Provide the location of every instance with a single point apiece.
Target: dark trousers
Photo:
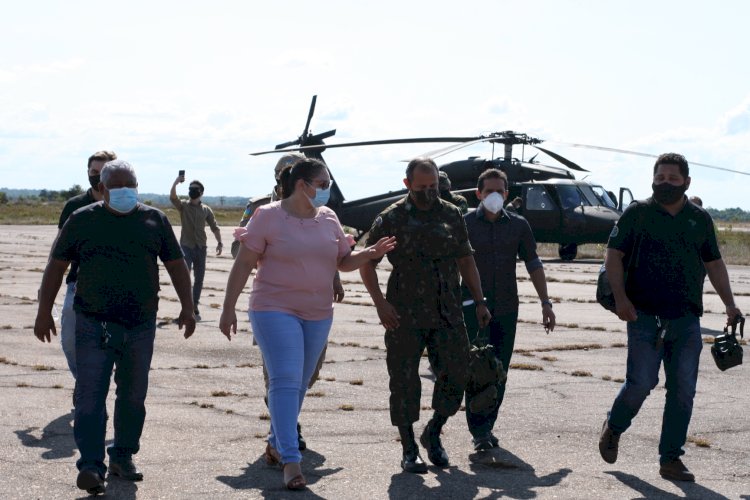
(448, 351)
(501, 333)
(130, 350)
(196, 258)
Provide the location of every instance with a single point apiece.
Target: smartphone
(182, 173)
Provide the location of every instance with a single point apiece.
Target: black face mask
(426, 197)
(94, 180)
(194, 193)
(667, 194)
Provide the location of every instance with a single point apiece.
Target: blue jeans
(130, 351)
(681, 354)
(291, 348)
(196, 258)
(502, 336)
(68, 328)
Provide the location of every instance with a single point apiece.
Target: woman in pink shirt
(297, 244)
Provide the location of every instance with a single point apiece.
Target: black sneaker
(676, 471)
(302, 443)
(609, 442)
(412, 462)
(197, 315)
(435, 451)
(91, 481)
(486, 442)
(125, 468)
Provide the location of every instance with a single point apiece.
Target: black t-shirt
(71, 206)
(666, 275)
(118, 277)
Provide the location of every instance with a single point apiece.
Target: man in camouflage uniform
(445, 193)
(422, 307)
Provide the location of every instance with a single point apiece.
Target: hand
(732, 313)
(483, 315)
(388, 315)
(338, 289)
(179, 179)
(43, 325)
(186, 319)
(219, 248)
(548, 318)
(625, 310)
(382, 247)
(228, 323)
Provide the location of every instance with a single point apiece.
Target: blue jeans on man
(68, 328)
(501, 334)
(680, 353)
(195, 257)
(130, 351)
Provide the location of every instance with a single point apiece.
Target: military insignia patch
(615, 232)
(378, 222)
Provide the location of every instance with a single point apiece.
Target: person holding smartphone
(497, 236)
(194, 215)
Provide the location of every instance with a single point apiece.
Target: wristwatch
(547, 302)
(482, 302)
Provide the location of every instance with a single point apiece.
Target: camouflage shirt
(457, 200)
(424, 284)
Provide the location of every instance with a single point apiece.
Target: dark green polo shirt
(666, 276)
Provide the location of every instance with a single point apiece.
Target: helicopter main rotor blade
(561, 159)
(309, 116)
(437, 153)
(413, 140)
(648, 155)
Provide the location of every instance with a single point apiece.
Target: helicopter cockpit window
(570, 197)
(537, 198)
(604, 197)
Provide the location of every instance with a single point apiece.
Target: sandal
(271, 456)
(297, 482)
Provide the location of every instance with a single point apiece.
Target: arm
(219, 244)
(51, 281)
(616, 276)
(468, 269)
(386, 312)
(244, 263)
(338, 288)
(540, 284)
(173, 193)
(178, 273)
(717, 273)
(355, 260)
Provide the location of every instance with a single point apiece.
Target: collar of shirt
(481, 215)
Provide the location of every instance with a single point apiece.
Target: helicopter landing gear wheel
(568, 252)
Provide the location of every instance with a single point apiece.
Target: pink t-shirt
(298, 260)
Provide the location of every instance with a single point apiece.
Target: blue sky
(197, 86)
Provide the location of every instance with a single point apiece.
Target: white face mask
(493, 202)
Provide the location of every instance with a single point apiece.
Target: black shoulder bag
(604, 295)
(727, 351)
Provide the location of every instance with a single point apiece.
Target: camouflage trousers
(448, 352)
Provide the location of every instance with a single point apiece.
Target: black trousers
(502, 336)
(448, 352)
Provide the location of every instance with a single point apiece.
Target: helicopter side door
(541, 211)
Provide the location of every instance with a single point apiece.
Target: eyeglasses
(322, 184)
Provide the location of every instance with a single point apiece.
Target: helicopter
(559, 208)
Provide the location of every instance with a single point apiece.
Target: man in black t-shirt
(116, 243)
(665, 244)
(68, 317)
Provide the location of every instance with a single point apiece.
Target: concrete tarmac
(206, 422)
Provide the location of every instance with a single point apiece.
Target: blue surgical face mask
(321, 196)
(123, 200)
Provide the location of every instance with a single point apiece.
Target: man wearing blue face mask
(497, 237)
(116, 243)
(194, 215)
